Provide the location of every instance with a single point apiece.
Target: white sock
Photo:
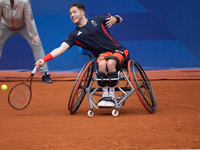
(105, 91)
(112, 91)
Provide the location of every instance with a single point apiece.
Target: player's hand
(36, 39)
(111, 21)
(39, 63)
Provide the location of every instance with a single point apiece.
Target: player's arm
(113, 20)
(55, 53)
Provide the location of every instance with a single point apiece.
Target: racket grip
(34, 70)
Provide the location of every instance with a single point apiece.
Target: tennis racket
(20, 95)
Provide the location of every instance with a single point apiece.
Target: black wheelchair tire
(142, 86)
(79, 89)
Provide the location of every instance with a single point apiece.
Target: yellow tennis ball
(4, 87)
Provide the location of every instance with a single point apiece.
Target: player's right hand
(39, 63)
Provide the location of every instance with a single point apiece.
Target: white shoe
(102, 103)
(112, 102)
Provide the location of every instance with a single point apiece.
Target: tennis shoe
(111, 103)
(46, 78)
(101, 103)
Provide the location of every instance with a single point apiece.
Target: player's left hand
(36, 39)
(111, 20)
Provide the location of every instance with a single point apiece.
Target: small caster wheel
(115, 112)
(90, 113)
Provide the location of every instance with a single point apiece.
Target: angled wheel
(80, 85)
(90, 113)
(142, 86)
(115, 112)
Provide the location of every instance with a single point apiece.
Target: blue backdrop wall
(160, 34)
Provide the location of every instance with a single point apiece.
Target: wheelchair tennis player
(92, 34)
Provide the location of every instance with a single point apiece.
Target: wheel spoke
(79, 90)
(143, 89)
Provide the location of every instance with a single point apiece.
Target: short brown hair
(78, 5)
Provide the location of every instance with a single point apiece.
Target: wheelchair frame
(136, 81)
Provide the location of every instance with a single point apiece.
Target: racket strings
(20, 96)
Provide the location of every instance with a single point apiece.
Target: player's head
(78, 5)
(77, 12)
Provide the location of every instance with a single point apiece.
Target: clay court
(47, 124)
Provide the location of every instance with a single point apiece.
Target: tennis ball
(4, 87)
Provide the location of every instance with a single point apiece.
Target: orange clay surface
(46, 123)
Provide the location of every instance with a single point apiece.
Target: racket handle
(34, 70)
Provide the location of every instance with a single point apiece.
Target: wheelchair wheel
(142, 86)
(80, 85)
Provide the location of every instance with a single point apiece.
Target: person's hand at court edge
(36, 39)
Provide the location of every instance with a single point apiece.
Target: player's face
(75, 15)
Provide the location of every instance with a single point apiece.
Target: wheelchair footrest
(116, 89)
(105, 99)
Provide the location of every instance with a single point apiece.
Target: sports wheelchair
(134, 80)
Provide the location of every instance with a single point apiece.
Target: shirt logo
(79, 33)
(94, 23)
(18, 7)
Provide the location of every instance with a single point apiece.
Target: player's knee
(102, 65)
(111, 63)
(110, 75)
(101, 75)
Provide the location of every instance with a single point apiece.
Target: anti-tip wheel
(90, 113)
(115, 112)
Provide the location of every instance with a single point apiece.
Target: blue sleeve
(103, 19)
(69, 40)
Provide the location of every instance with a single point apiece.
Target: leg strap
(101, 75)
(110, 75)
